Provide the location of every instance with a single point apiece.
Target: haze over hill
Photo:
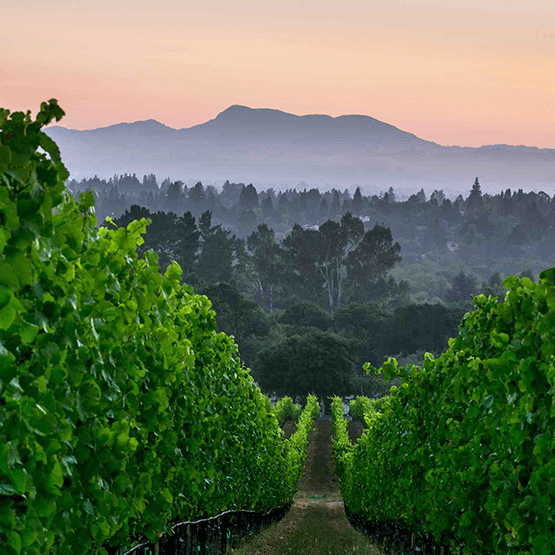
(276, 148)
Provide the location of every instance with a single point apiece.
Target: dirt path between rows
(316, 523)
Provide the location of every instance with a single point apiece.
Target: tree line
(256, 277)
(306, 311)
(480, 234)
(331, 265)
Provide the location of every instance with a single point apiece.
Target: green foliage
(307, 314)
(463, 288)
(362, 320)
(285, 408)
(510, 232)
(464, 449)
(265, 265)
(298, 443)
(172, 237)
(121, 408)
(374, 256)
(362, 406)
(363, 325)
(338, 254)
(237, 316)
(216, 258)
(341, 441)
(317, 362)
(417, 325)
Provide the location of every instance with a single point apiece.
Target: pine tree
(356, 204)
(474, 201)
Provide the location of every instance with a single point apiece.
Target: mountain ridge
(236, 113)
(265, 145)
(240, 110)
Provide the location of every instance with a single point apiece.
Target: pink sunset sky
(455, 72)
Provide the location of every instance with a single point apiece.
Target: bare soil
(289, 428)
(355, 428)
(316, 523)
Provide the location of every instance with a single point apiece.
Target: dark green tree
(173, 194)
(267, 206)
(362, 325)
(320, 256)
(463, 288)
(265, 264)
(248, 198)
(197, 196)
(317, 362)
(172, 237)
(187, 243)
(475, 200)
(307, 314)
(247, 221)
(373, 258)
(237, 316)
(420, 327)
(216, 258)
(494, 286)
(356, 205)
(230, 193)
(388, 292)
(335, 209)
(302, 276)
(324, 211)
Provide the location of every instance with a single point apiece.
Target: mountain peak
(272, 146)
(236, 109)
(239, 111)
(142, 125)
(147, 124)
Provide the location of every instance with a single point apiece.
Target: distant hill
(272, 147)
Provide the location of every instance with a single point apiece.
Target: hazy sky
(456, 72)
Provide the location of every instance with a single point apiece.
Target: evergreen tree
(149, 183)
(324, 211)
(230, 193)
(173, 195)
(187, 243)
(197, 195)
(439, 196)
(313, 198)
(474, 201)
(421, 196)
(356, 204)
(248, 198)
(267, 206)
(335, 205)
(391, 195)
(216, 258)
(463, 287)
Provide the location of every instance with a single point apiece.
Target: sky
(455, 72)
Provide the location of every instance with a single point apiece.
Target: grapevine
(464, 449)
(121, 408)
